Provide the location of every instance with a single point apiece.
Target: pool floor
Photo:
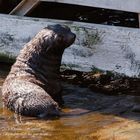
(87, 116)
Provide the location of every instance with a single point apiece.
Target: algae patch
(7, 58)
(88, 37)
(69, 66)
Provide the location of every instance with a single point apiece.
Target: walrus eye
(59, 38)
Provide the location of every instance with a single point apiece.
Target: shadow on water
(86, 116)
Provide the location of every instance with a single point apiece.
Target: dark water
(76, 13)
(87, 116)
(7, 5)
(85, 14)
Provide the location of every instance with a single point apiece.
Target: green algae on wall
(7, 58)
(91, 37)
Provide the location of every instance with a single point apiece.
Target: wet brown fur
(32, 87)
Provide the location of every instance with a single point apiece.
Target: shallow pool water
(87, 116)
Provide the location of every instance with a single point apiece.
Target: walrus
(32, 87)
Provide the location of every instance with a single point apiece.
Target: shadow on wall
(7, 5)
(85, 14)
(77, 13)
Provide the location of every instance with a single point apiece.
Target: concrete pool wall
(108, 48)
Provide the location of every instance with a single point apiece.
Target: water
(85, 14)
(76, 13)
(87, 116)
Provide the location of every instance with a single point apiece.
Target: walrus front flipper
(28, 99)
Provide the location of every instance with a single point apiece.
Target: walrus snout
(70, 39)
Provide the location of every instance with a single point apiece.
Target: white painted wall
(105, 47)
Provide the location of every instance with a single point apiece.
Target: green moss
(92, 38)
(69, 66)
(110, 73)
(7, 58)
(96, 70)
(77, 29)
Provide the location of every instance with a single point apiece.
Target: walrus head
(48, 44)
(58, 37)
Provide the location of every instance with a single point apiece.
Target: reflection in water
(86, 116)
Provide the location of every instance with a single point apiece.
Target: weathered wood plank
(104, 47)
(124, 5)
(24, 7)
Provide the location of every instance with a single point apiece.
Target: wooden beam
(24, 7)
(124, 5)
